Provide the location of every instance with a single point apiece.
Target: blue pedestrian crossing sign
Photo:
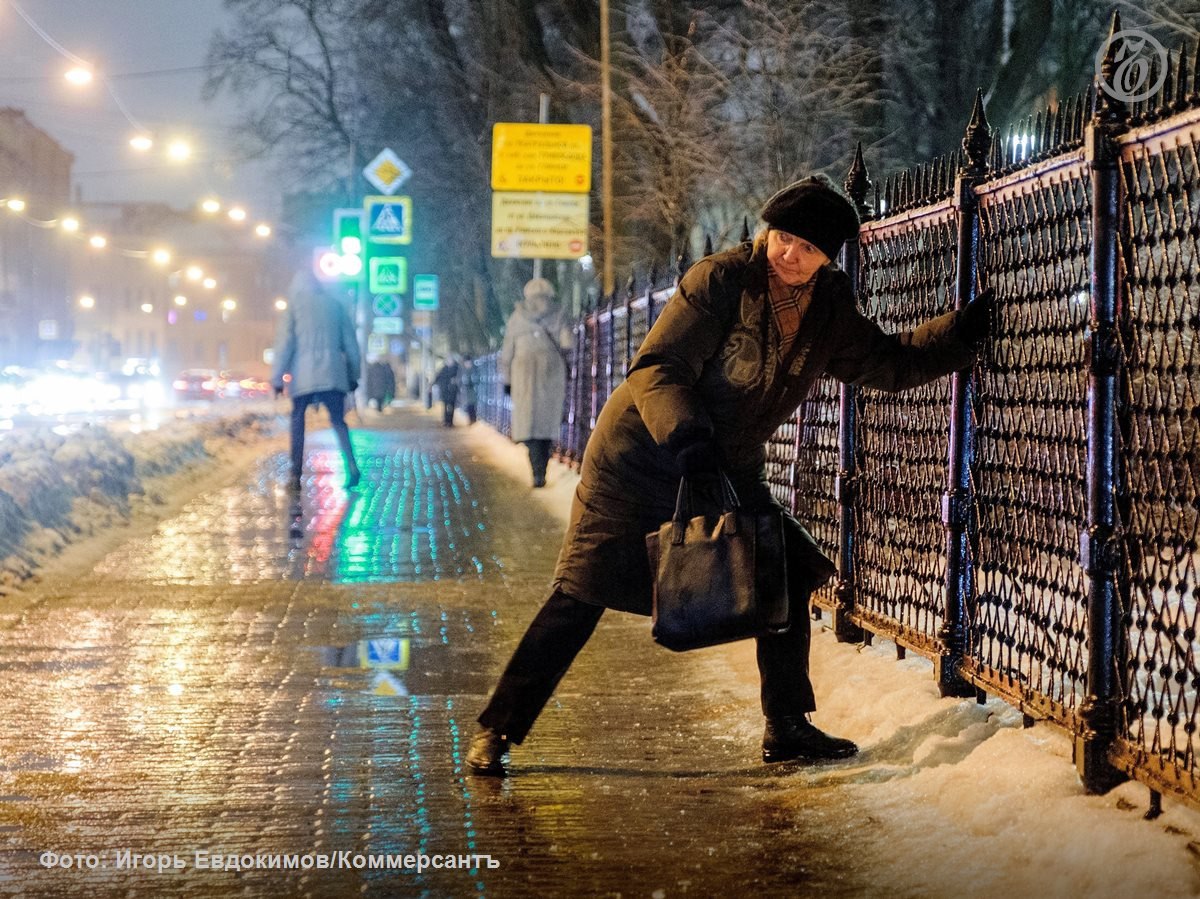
(389, 219)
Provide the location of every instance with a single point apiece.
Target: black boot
(486, 753)
(795, 737)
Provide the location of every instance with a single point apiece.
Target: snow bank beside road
(57, 489)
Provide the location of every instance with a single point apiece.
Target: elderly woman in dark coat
(734, 352)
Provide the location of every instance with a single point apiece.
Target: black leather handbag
(718, 578)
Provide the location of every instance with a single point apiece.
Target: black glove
(974, 323)
(278, 392)
(698, 460)
(508, 389)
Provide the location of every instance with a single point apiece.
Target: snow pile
(56, 489)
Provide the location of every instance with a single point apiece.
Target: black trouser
(335, 402)
(564, 624)
(539, 457)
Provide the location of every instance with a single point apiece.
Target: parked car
(196, 384)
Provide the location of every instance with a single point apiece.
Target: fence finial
(1181, 97)
(1162, 103)
(977, 139)
(745, 229)
(708, 247)
(857, 183)
(683, 261)
(1108, 108)
(1194, 97)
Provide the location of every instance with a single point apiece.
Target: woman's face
(793, 258)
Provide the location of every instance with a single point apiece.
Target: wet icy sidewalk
(284, 681)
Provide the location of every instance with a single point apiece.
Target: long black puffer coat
(710, 369)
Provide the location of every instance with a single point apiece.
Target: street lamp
(98, 241)
(209, 283)
(211, 205)
(87, 302)
(281, 304)
(141, 142)
(161, 256)
(180, 300)
(262, 229)
(229, 304)
(70, 223)
(15, 204)
(79, 76)
(238, 214)
(178, 150)
(147, 308)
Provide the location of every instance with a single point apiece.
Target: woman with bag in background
(732, 356)
(533, 369)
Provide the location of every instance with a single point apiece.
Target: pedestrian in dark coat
(446, 381)
(316, 346)
(733, 354)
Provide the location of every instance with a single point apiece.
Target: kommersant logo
(1138, 57)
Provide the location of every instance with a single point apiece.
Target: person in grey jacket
(317, 347)
(533, 369)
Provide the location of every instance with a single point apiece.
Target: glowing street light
(281, 304)
(15, 204)
(262, 230)
(229, 304)
(99, 241)
(70, 223)
(87, 302)
(238, 214)
(211, 205)
(147, 307)
(161, 256)
(180, 300)
(179, 150)
(194, 273)
(79, 76)
(209, 283)
(141, 143)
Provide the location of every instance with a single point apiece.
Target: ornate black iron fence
(1031, 526)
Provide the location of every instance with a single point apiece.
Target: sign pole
(606, 148)
(543, 119)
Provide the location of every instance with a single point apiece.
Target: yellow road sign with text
(541, 157)
(539, 226)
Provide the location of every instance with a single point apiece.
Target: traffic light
(347, 245)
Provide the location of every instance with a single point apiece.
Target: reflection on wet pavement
(414, 517)
(187, 701)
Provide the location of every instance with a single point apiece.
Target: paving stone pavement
(264, 677)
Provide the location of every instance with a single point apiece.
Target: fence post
(958, 500)
(1100, 544)
(857, 185)
(630, 293)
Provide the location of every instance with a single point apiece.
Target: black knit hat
(815, 210)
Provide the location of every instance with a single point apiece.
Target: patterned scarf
(788, 305)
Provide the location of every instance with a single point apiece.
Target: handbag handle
(683, 505)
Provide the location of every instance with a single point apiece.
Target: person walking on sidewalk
(446, 382)
(734, 352)
(533, 370)
(317, 347)
(468, 382)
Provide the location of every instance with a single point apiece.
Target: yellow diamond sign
(387, 172)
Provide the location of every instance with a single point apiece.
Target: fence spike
(1194, 97)
(1162, 103)
(1181, 97)
(1056, 132)
(935, 178)
(857, 182)
(708, 247)
(745, 229)
(1048, 132)
(877, 212)
(1037, 142)
(653, 277)
(977, 138)
(1068, 121)
(1106, 107)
